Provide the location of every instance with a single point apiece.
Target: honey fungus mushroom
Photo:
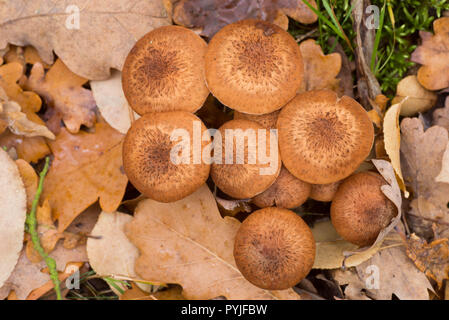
(323, 138)
(253, 66)
(164, 71)
(150, 156)
(274, 249)
(243, 173)
(286, 192)
(360, 210)
(324, 192)
(267, 120)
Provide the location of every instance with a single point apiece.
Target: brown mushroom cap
(286, 192)
(324, 192)
(274, 249)
(243, 181)
(267, 120)
(253, 66)
(360, 210)
(147, 160)
(322, 138)
(164, 71)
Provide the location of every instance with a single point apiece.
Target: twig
(31, 223)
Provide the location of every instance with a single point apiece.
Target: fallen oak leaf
(29, 178)
(422, 154)
(431, 258)
(86, 167)
(441, 116)
(63, 91)
(85, 50)
(433, 54)
(29, 149)
(419, 98)
(320, 70)
(12, 215)
(188, 242)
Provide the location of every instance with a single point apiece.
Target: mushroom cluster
(256, 69)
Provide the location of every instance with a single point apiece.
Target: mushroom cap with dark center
(360, 210)
(286, 192)
(274, 249)
(243, 178)
(147, 157)
(322, 138)
(164, 71)
(253, 66)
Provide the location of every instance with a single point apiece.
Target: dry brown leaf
(320, 70)
(187, 242)
(433, 54)
(422, 155)
(392, 141)
(12, 215)
(86, 167)
(443, 176)
(355, 287)
(85, 50)
(397, 274)
(419, 99)
(112, 103)
(63, 91)
(28, 149)
(109, 250)
(135, 293)
(441, 116)
(211, 15)
(431, 258)
(18, 122)
(29, 178)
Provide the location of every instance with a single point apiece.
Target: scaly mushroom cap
(148, 160)
(322, 138)
(164, 71)
(274, 249)
(253, 66)
(267, 120)
(324, 192)
(243, 178)
(286, 192)
(360, 210)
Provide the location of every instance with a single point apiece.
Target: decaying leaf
(443, 176)
(390, 272)
(12, 215)
(135, 293)
(79, 39)
(441, 116)
(331, 248)
(18, 122)
(109, 250)
(187, 242)
(433, 54)
(29, 179)
(422, 155)
(431, 258)
(392, 141)
(63, 91)
(320, 70)
(28, 149)
(112, 103)
(419, 98)
(86, 167)
(211, 15)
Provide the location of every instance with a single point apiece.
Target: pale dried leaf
(419, 98)
(49, 26)
(12, 215)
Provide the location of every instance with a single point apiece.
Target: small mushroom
(267, 120)
(149, 156)
(324, 192)
(360, 210)
(274, 249)
(242, 174)
(164, 68)
(253, 66)
(323, 138)
(286, 192)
